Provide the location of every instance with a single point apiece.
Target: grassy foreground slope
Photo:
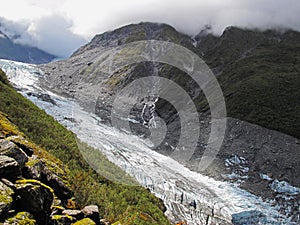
(127, 204)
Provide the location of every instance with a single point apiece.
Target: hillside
(258, 72)
(116, 202)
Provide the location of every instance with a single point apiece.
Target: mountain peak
(136, 32)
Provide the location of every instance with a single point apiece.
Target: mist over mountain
(22, 53)
(60, 27)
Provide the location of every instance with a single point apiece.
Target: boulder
(6, 199)
(34, 197)
(77, 214)
(23, 144)
(9, 168)
(38, 169)
(86, 221)
(61, 190)
(9, 149)
(105, 222)
(92, 212)
(33, 168)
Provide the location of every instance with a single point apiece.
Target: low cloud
(69, 24)
(51, 33)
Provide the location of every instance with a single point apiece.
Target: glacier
(187, 195)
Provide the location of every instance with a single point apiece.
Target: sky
(61, 26)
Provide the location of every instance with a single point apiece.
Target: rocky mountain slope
(17, 52)
(33, 186)
(39, 188)
(259, 76)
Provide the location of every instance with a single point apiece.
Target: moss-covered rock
(5, 198)
(77, 214)
(92, 212)
(62, 220)
(9, 149)
(34, 197)
(21, 218)
(86, 221)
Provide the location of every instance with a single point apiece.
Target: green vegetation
(265, 90)
(260, 78)
(116, 202)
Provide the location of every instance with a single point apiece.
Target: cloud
(51, 33)
(61, 26)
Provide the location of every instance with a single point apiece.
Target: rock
(61, 190)
(104, 222)
(92, 212)
(34, 197)
(56, 209)
(22, 143)
(5, 198)
(77, 214)
(62, 220)
(9, 168)
(9, 149)
(86, 221)
(38, 169)
(33, 168)
(21, 218)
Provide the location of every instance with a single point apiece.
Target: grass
(116, 202)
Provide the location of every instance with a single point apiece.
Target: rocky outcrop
(5, 198)
(9, 168)
(34, 197)
(11, 150)
(92, 212)
(33, 190)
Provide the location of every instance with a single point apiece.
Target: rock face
(11, 150)
(9, 168)
(34, 198)
(31, 191)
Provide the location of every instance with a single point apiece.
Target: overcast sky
(61, 26)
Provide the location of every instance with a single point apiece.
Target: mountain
(42, 170)
(188, 196)
(22, 53)
(258, 72)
